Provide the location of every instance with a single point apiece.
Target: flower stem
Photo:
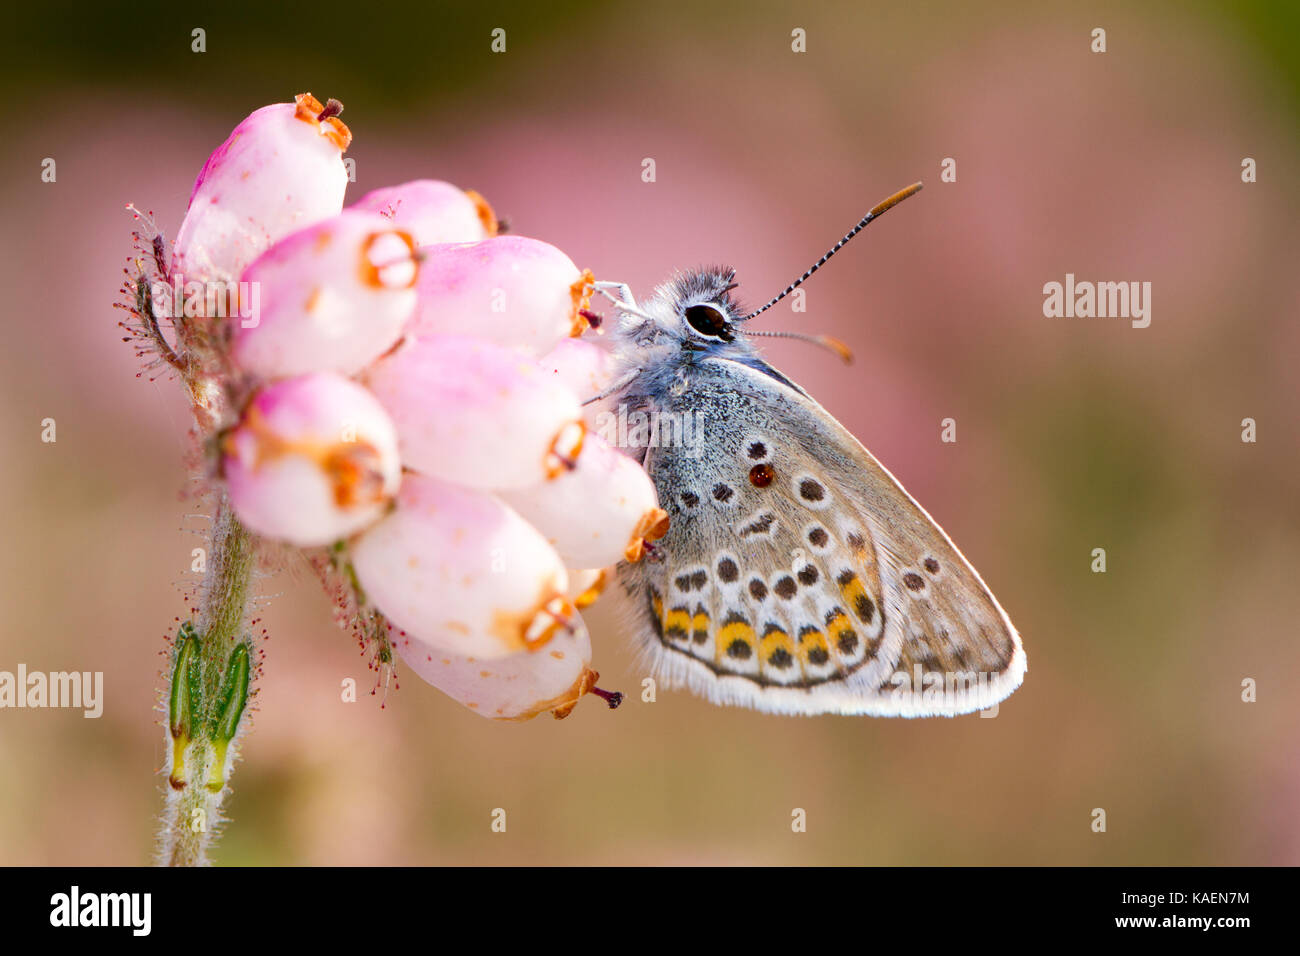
(202, 730)
(225, 598)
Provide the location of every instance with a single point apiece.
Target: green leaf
(185, 698)
(233, 696)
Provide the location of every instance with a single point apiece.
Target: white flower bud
(314, 459)
(586, 586)
(587, 370)
(476, 413)
(597, 514)
(516, 687)
(510, 290)
(458, 570)
(281, 169)
(332, 297)
(433, 211)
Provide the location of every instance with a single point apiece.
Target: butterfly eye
(709, 321)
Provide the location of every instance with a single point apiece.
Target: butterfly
(797, 576)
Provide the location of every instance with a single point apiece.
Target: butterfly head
(694, 311)
(694, 315)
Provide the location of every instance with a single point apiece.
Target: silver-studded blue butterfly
(797, 576)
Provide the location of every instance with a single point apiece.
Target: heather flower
(280, 169)
(433, 211)
(510, 290)
(312, 460)
(457, 570)
(585, 369)
(398, 390)
(598, 513)
(586, 585)
(333, 297)
(469, 411)
(518, 686)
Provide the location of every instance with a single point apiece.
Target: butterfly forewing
(797, 575)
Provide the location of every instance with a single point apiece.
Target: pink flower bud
(313, 459)
(586, 370)
(516, 687)
(509, 290)
(433, 211)
(586, 586)
(456, 569)
(281, 169)
(597, 514)
(476, 413)
(333, 297)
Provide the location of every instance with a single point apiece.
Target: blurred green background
(1073, 434)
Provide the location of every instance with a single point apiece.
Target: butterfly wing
(797, 575)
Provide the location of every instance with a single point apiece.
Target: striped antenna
(877, 210)
(824, 341)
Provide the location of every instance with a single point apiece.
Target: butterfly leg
(623, 382)
(624, 301)
(624, 291)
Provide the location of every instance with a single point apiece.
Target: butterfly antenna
(824, 341)
(878, 210)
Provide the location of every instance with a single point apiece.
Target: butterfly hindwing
(797, 576)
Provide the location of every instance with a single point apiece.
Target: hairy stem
(200, 777)
(225, 597)
(187, 824)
